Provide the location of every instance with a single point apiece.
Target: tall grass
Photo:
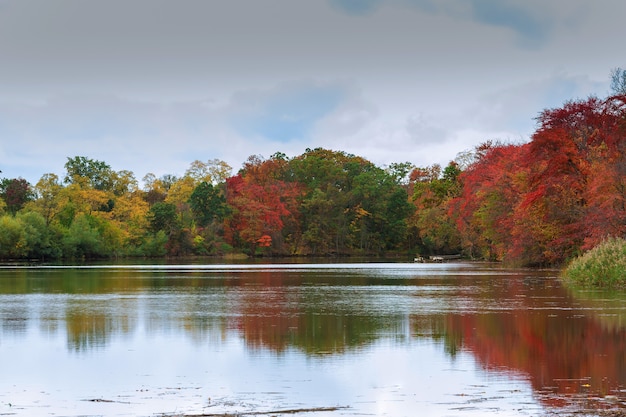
(603, 267)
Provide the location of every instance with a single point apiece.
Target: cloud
(527, 22)
(423, 130)
(151, 85)
(515, 108)
(127, 134)
(143, 47)
(532, 21)
(356, 7)
(168, 136)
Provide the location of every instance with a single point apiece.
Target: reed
(603, 266)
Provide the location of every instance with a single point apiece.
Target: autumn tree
(16, 193)
(569, 145)
(261, 203)
(213, 172)
(431, 190)
(484, 209)
(545, 201)
(156, 189)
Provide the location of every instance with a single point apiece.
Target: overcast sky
(152, 85)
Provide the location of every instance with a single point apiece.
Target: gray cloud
(422, 130)
(356, 7)
(532, 21)
(128, 134)
(169, 136)
(150, 85)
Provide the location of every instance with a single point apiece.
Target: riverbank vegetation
(542, 202)
(604, 266)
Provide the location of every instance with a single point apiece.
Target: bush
(604, 266)
(12, 241)
(25, 235)
(83, 239)
(153, 245)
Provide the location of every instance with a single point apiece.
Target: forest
(537, 203)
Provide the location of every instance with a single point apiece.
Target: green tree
(349, 203)
(37, 236)
(400, 172)
(98, 174)
(25, 235)
(12, 240)
(162, 216)
(325, 204)
(381, 208)
(208, 204)
(83, 239)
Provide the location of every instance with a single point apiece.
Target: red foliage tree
(575, 182)
(261, 203)
(545, 201)
(491, 189)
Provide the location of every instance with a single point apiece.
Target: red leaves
(491, 189)
(265, 241)
(260, 201)
(544, 201)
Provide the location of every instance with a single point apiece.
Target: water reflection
(519, 325)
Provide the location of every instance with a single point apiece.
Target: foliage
(212, 172)
(15, 193)
(602, 266)
(97, 173)
(485, 206)
(261, 204)
(538, 203)
(546, 201)
(432, 192)
(25, 236)
(207, 204)
(162, 217)
(152, 245)
(348, 204)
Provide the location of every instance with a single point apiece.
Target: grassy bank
(602, 267)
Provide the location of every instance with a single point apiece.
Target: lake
(324, 339)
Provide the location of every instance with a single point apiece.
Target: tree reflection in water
(572, 349)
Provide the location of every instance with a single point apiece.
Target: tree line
(536, 203)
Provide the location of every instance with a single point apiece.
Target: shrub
(604, 266)
(83, 239)
(153, 245)
(12, 240)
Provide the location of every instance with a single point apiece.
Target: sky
(150, 86)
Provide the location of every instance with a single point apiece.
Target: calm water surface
(368, 339)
